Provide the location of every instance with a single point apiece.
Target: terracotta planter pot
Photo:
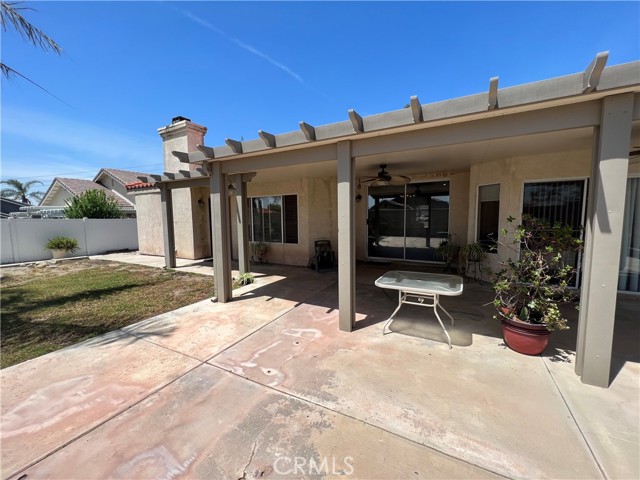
(526, 338)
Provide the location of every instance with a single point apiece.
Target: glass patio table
(422, 289)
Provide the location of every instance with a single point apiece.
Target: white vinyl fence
(23, 239)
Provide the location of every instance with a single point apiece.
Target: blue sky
(236, 68)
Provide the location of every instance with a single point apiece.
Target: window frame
(282, 218)
(477, 219)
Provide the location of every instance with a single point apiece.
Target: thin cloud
(241, 44)
(61, 146)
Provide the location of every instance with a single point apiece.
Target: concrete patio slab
(49, 401)
(608, 418)
(486, 405)
(212, 424)
(282, 382)
(204, 329)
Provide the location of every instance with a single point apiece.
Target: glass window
(488, 215)
(270, 222)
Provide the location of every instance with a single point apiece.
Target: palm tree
(10, 13)
(20, 191)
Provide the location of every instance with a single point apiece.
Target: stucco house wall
(150, 241)
(317, 210)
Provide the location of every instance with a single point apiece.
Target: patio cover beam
(416, 109)
(346, 237)
(575, 88)
(166, 201)
(539, 121)
(220, 233)
(593, 72)
(527, 123)
(609, 171)
(493, 93)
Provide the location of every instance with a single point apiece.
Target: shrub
(62, 243)
(243, 279)
(93, 204)
(533, 284)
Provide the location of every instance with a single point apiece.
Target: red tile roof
(138, 185)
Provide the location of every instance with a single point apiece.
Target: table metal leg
(400, 298)
(436, 304)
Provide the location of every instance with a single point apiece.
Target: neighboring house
(557, 149)
(9, 206)
(110, 180)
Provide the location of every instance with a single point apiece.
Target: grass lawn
(48, 307)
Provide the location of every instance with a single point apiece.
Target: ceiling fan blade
(398, 180)
(634, 153)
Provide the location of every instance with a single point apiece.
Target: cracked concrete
(267, 387)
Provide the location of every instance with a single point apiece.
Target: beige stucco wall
(317, 217)
(150, 239)
(190, 206)
(512, 173)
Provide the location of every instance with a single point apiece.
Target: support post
(220, 233)
(166, 199)
(609, 173)
(346, 237)
(243, 228)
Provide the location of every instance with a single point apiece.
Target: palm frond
(10, 13)
(7, 71)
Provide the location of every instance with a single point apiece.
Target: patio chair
(324, 258)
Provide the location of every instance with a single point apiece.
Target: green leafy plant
(243, 279)
(258, 252)
(449, 251)
(93, 204)
(473, 252)
(62, 243)
(533, 282)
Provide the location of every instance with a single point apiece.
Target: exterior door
(407, 222)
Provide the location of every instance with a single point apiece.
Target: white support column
(166, 199)
(220, 233)
(243, 228)
(609, 173)
(346, 237)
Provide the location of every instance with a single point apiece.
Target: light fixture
(358, 196)
(201, 203)
(231, 190)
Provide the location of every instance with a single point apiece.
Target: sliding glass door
(407, 222)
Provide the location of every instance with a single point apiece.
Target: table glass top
(419, 281)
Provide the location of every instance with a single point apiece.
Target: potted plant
(473, 252)
(62, 246)
(532, 284)
(449, 251)
(258, 252)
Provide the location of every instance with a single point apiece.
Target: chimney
(181, 135)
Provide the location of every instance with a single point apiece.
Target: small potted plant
(532, 284)
(474, 253)
(258, 252)
(449, 251)
(61, 247)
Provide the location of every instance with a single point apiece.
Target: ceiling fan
(634, 153)
(384, 178)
